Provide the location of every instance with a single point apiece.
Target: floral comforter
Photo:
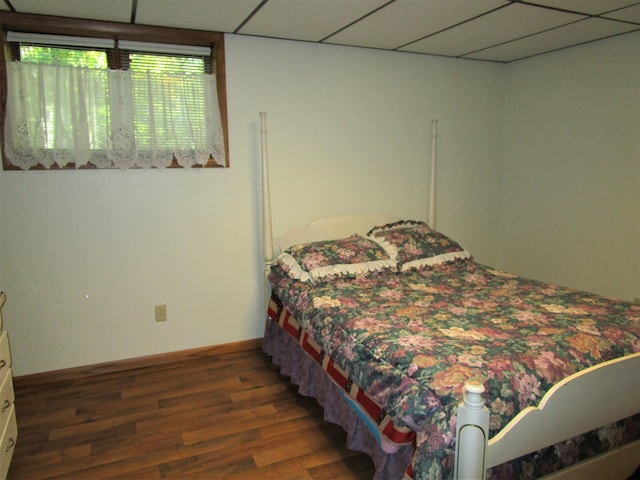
(412, 340)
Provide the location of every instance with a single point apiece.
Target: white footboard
(472, 433)
(589, 399)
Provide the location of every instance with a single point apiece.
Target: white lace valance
(110, 118)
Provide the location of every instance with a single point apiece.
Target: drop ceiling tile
(112, 10)
(591, 7)
(511, 22)
(629, 14)
(307, 20)
(407, 20)
(212, 15)
(566, 36)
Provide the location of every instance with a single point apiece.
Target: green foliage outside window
(63, 57)
(98, 59)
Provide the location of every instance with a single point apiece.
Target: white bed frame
(589, 399)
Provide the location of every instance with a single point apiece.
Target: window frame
(19, 22)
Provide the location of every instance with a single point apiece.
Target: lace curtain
(110, 118)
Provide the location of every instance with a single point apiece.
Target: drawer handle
(5, 405)
(3, 362)
(10, 445)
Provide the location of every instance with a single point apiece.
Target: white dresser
(8, 424)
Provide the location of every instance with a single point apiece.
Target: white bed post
(472, 434)
(431, 219)
(267, 236)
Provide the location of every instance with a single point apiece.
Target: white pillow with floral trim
(413, 244)
(351, 256)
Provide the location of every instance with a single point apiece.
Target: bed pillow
(355, 255)
(414, 244)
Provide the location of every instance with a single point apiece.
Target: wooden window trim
(20, 22)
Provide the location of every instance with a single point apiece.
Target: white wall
(86, 255)
(570, 204)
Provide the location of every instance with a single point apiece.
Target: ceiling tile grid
(112, 11)
(218, 15)
(404, 21)
(510, 22)
(551, 40)
(491, 30)
(307, 20)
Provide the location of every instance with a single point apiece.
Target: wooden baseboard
(74, 373)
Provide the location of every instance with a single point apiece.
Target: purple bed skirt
(312, 381)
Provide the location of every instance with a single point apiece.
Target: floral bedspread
(412, 340)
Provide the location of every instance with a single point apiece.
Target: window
(91, 102)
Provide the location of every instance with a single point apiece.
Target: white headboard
(330, 227)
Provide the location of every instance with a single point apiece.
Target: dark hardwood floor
(230, 416)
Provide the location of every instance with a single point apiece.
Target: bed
(438, 366)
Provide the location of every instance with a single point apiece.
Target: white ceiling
(495, 30)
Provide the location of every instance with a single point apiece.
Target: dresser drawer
(8, 442)
(5, 354)
(7, 398)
